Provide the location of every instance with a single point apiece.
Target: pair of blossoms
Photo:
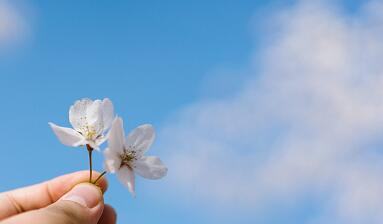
(94, 122)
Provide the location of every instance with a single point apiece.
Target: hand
(65, 199)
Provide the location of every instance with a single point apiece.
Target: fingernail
(87, 195)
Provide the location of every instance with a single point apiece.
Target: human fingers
(43, 194)
(83, 204)
(109, 216)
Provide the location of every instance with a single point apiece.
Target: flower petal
(126, 177)
(112, 160)
(68, 136)
(94, 117)
(101, 139)
(140, 139)
(93, 144)
(116, 136)
(150, 167)
(107, 113)
(77, 113)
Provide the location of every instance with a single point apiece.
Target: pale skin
(65, 199)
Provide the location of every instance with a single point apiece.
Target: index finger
(43, 194)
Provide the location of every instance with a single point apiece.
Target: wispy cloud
(13, 25)
(307, 123)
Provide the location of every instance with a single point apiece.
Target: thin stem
(99, 177)
(90, 150)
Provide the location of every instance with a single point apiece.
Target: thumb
(82, 205)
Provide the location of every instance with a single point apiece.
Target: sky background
(266, 111)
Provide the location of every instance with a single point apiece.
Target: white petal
(112, 160)
(150, 167)
(94, 117)
(116, 136)
(77, 114)
(93, 145)
(141, 138)
(101, 139)
(68, 136)
(107, 113)
(126, 176)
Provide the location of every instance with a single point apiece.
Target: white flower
(90, 120)
(125, 156)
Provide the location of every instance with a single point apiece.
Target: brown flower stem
(99, 177)
(90, 150)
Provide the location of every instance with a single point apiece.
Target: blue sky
(160, 62)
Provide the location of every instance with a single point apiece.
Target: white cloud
(308, 122)
(13, 26)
